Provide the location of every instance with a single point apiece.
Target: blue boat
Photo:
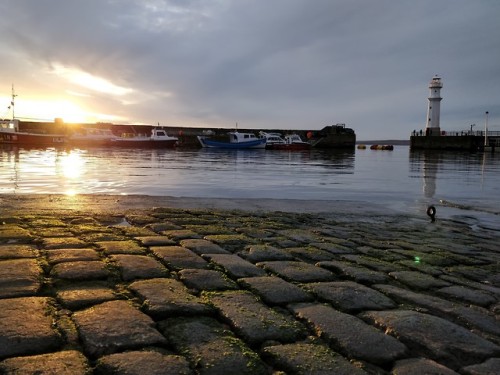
(237, 140)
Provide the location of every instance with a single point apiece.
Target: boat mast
(486, 130)
(12, 101)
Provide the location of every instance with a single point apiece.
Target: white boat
(236, 140)
(290, 142)
(157, 139)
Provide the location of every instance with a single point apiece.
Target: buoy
(431, 212)
(382, 147)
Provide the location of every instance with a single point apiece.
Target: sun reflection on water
(72, 165)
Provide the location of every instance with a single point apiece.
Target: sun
(48, 110)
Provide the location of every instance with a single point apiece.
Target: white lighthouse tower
(432, 126)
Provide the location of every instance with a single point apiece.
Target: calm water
(400, 179)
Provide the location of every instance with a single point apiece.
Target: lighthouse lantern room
(432, 126)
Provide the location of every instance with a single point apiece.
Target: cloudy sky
(289, 64)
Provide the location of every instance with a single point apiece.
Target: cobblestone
(115, 326)
(212, 348)
(350, 296)
(253, 320)
(19, 277)
(138, 267)
(178, 257)
(188, 291)
(439, 339)
(345, 333)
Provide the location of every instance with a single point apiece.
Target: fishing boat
(157, 139)
(236, 140)
(11, 134)
(92, 137)
(333, 137)
(290, 142)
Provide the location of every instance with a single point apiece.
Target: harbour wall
(328, 137)
(444, 142)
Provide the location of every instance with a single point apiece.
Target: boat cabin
(293, 138)
(9, 126)
(236, 137)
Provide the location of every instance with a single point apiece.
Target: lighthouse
(432, 126)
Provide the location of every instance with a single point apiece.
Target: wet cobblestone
(219, 292)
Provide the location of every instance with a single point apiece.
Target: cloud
(279, 63)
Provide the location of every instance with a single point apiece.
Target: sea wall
(444, 142)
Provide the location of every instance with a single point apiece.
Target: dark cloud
(279, 63)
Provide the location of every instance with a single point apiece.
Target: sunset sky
(289, 64)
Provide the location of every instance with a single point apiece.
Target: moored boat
(236, 140)
(10, 134)
(92, 137)
(290, 142)
(333, 136)
(157, 139)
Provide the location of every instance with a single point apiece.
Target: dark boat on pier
(333, 136)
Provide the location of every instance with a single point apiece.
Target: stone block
(201, 246)
(115, 326)
(68, 362)
(419, 366)
(359, 274)
(178, 257)
(80, 271)
(488, 367)
(434, 337)
(81, 295)
(351, 336)
(211, 348)
(468, 295)
(17, 251)
(235, 266)
(167, 297)
(12, 233)
(26, 327)
(143, 362)
(19, 277)
(351, 297)
(297, 271)
(180, 234)
(156, 240)
(121, 247)
(469, 316)
(139, 267)
(304, 359)
(71, 255)
(418, 280)
(262, 253)
(253, 320)
(206, 280)
(275, 291)
(63, 243)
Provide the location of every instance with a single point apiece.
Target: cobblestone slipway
(203, 291)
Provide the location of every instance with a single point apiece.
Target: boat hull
(209, 143)
(19, 138)
(146, 143)
(289, 146)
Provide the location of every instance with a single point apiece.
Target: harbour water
(466, 184)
